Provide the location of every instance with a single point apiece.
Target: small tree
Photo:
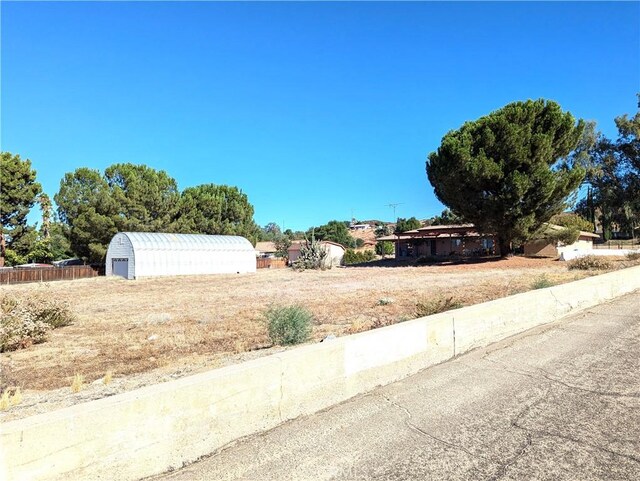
(384, 248)
(508, 172)
(282, 244)
(403, 225)
(336, 231)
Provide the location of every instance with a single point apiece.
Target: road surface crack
(504, 466)
(549, 377)
(422, 432)
(565, 437)
(543, 374)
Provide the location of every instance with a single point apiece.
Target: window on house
(456, 243)
(487, 243)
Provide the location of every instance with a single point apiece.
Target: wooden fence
(47, 274)
(266, 263)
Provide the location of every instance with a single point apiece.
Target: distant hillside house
(547, 248)
(335, 252)
(266, 250)
(360, 227)
(443, 240)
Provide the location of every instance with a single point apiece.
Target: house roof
(435, 231)
(445, 227)
(266, 247)
(583, 233)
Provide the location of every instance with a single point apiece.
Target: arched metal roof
(191, 242)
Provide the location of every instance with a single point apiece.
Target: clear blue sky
(314, 110)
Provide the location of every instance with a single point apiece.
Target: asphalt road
(559, 402)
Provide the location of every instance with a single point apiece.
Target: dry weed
(77, 384)
(10, 398)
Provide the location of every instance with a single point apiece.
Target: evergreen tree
(127, 197)
(216, 209)
(18, 193)
(509, 172)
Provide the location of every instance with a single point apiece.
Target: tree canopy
(509, 172)
(446, 217)
(127, 197)
(336, 231)
(216, 209)
(18, 193)
(613, 177)
(145, 197)
(403, 225)
(137, 198)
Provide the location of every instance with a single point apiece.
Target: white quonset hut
(143, 254)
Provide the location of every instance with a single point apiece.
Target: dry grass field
(179, 325)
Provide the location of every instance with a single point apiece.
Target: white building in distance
(144, 254)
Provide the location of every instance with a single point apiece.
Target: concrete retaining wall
(157, 428)
(569, 255)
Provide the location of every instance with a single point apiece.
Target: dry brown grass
(168, 324)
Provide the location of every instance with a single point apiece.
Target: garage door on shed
(120, 267)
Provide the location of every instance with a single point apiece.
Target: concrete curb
(162, 427)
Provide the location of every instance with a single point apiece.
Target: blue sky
(315, 110)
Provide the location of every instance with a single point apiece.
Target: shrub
(26, 321)
(435, 305)
(353, 257)
(541, 282)
(586, 263)
(633, 256)
(288, 324)
(384, 248)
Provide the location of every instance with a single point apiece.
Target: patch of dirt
(152, 330)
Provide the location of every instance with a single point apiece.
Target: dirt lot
(152, 330)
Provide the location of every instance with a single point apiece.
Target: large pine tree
(508, 172)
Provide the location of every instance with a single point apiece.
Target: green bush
(26, 321)
(541, 282)
(587, 263)
(353, 257)
(384, 248)
(435, 305)
(288, 324)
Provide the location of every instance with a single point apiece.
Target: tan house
(265, 249)
(335, 252)
(443, 240)
(547, 248)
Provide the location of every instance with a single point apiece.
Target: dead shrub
(589, 263)
(26, 321)
(436, 305)
(633, 256)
